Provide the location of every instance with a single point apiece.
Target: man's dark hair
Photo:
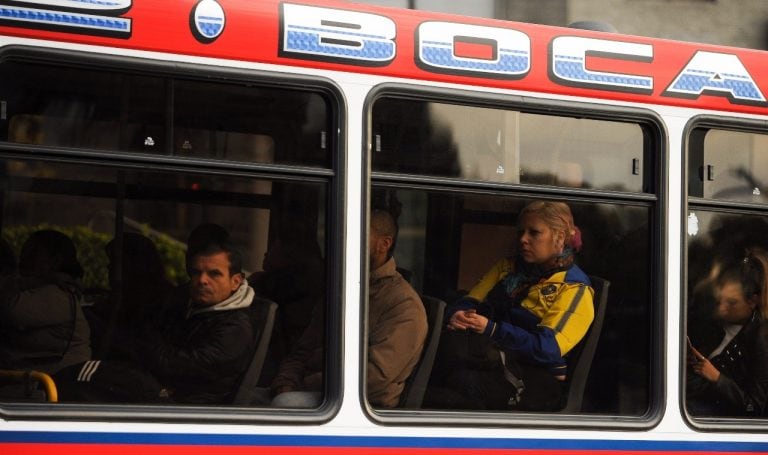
(233, 254)
(385, 224)
(60, 246)
(203, 235)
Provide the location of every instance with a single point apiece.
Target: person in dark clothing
(294, 278)
(730, 377)
(42, 325)
(198, 356)
(397, 328)
(202, 357)
(140, 295)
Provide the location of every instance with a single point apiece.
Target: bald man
(397, 325)
(397, 322)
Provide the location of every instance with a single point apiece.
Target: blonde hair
(558, 217)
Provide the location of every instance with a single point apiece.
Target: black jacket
(203, 357)
(742, 389)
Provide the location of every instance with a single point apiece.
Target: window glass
(83, 107)
(729, 165)
(94, 108)
(727, 274)
(725, 322)
(240, 123)
(141, 306)
(186, 287)
(448, 241)
(548, 305)
(474, 143)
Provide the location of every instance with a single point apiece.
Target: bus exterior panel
(431, 47)
(292, 119)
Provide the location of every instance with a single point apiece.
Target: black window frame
(655, 167)
(693, 137)
(332, 177)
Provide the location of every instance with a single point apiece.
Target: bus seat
(580, 357)
(263, 312)
(405, 273)
(24, 385)
(416, 385)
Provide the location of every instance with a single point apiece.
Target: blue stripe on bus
(51, 437)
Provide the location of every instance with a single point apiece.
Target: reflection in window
(147, 238)
(99, 109)
(727, 273)
(132, 232)
(448, 240)
(728, 165)
(249, 124)
(495, 145)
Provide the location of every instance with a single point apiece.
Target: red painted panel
(101, 449)
(466, 49)
(252, 33)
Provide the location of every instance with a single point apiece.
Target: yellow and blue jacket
(549, 321)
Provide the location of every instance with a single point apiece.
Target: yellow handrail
(48, 384)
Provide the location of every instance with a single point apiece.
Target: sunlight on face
(538, 242)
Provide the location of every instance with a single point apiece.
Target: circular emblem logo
(207, 21)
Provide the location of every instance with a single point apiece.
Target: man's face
(211, 281)
(378, 247)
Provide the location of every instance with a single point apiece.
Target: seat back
(27, 385)
(580, 357)
(263, 316)
(416, 385)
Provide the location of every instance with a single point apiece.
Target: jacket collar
(241, 298)
(389, 268)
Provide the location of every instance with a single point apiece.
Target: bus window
(98, 109)
(726, 302)
(249, 124)
(477, 143)
(453, 231)
(278, 227)
(83, 107)
(176, 271)
(728, 165)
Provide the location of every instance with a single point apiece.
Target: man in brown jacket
(397, 326)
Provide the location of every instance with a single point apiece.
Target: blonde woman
(532, 308)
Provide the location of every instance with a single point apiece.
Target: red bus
(125, 125)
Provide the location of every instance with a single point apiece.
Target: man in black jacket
(204, 354)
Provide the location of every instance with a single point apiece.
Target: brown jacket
(397, 325)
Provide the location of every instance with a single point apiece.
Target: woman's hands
(702, 366)
(468, 320)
